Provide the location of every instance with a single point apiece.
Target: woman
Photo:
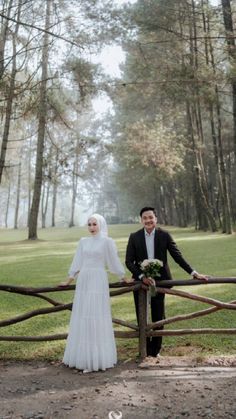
(90, 344)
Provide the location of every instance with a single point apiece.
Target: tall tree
(10, 92)
(3, 35)
(42, 118)
(230, 37)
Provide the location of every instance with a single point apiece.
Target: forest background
(169, 137)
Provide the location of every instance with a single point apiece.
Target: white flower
(158, 261)
(151, 267)
(145, 263)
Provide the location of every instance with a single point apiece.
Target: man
(153, 243)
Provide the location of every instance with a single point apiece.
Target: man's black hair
(144, 209)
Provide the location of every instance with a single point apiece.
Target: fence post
(142, 310)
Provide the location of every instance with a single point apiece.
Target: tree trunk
(8, 203)
(33, 219)
(54, 190)
(3, 37)
(18, 196)
(226, 205)
(44, 202)
(163, 205)
(217, 138)
(10, 97)
(230, 37)
(195, 129)
(74, 185)
(74, 191)
(54, 203)
(29, 181)
(204, 212)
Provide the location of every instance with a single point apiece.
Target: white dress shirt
(149, 239)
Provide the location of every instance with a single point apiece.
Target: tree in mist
(12, 82)
(174, 72)
(42, 119)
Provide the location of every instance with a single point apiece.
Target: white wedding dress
(91, 344)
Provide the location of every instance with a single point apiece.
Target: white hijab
(103, 230)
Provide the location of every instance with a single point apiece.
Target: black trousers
(157, 313)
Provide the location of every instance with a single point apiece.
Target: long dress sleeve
(112, 259)
(77, 260)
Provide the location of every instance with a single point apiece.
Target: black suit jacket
(163, 243)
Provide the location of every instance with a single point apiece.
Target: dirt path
(173, 388)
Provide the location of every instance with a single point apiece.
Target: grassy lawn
(46, 262)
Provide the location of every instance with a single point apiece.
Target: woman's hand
(127, 280)
(66, 283)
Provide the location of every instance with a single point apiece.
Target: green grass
(45, 263)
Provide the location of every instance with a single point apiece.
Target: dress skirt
(90, 343)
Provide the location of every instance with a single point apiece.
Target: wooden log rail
(142, 330)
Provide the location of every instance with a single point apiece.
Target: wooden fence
(143, 329)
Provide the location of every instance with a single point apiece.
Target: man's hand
(148, 281)
(196, 275)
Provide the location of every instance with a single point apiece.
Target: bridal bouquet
(151, 269)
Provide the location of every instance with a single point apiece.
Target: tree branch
(28, 25)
